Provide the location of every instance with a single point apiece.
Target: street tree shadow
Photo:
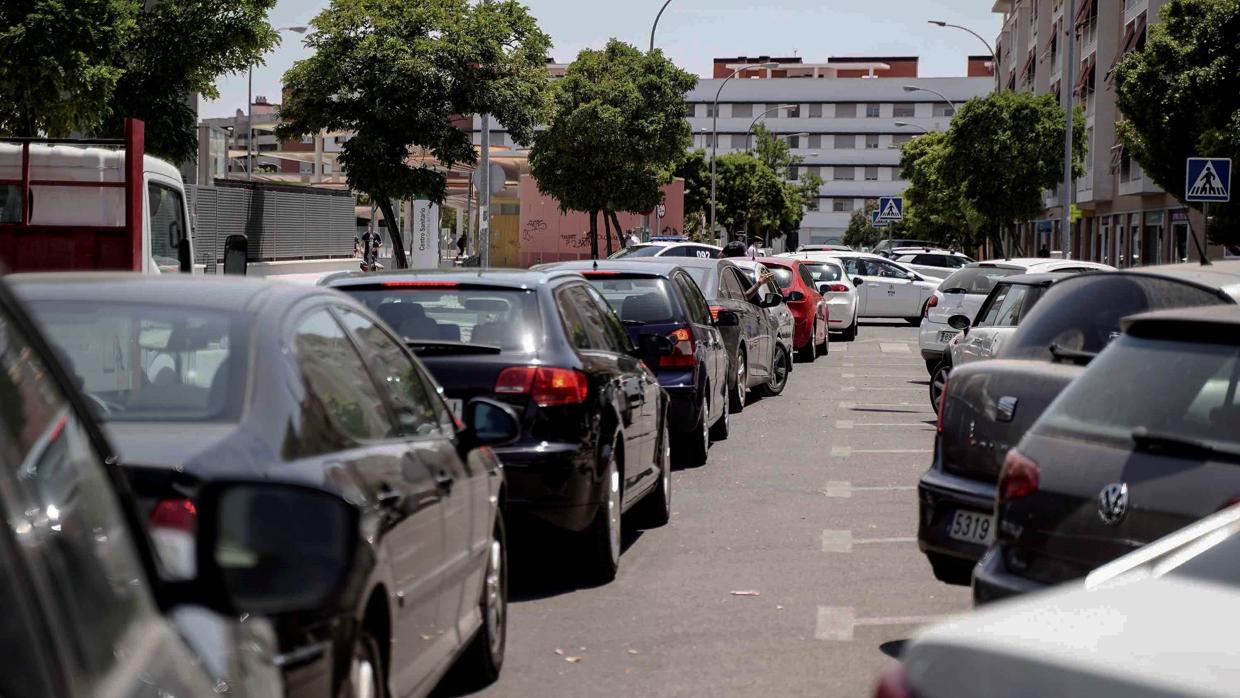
(893, 648)
(542, 563)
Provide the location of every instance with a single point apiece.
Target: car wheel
(365, 670)
(850, 334)
(824, 349)
(480, 664)
(693, 447)
(938, 382)
(951, 570)
(915, 321)
(809, 352)
(723, 426)
(779, 373)
(656, 509)
(602, 538)
(738, 396)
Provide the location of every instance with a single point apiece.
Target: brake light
(932, 303)
(548, 387)
(837, 288)
(893, 683)
(593, 274)
(420, 284)
(714, 312)
(175, 514)
(174, 523)
(684, 350)
(1019, 477)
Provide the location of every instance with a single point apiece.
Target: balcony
(1132, 8)
(862, 189)
(1132, 180)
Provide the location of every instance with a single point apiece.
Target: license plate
(946, 336)
(456, 406)
(971, 527)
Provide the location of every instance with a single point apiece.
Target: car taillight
(893, 683)
(714, 312)
(684, 351)
(175, 514)
(1019, 477)
(174, 523)
(932, 303)
(548, 387)
(837, 288)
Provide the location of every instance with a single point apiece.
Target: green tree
(695, 170)
(935, 210)
(1004, 150)
(786, 214)
(60, 61)
(749, 197)
(394, 73)
(1180, 97)
(617, 133)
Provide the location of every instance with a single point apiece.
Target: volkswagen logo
(1113, 503)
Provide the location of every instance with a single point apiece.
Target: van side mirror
(236, 254)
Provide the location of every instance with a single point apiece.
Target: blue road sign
(1208, 180)
(874, 220)
(890, 209)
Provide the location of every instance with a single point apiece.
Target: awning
(1117, 156)
(1028, 63)
(1087, 71)
(1132, 35)
(1083, 12)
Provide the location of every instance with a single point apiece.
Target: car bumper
(555, 483)
(840, 313)
(939, 497)
(993, 581)
(930, 340)
(684, 396)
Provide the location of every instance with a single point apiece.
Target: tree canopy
(395, 73)
(617, 133)
(1180, 97)
(935, 211)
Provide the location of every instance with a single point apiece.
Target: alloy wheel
(495, 607)
(362, 678)
(613, 509)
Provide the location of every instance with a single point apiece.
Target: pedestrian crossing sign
(890, 209)
(1208, 180)
(875, 221)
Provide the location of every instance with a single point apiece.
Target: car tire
(938, 381)
(723, 426)
(951, 570)
(915, 321)
(850, 334)
(824, 349)
(809, 352)
(738, 396)
(366, 675)
(601, 539)
(656, 508)
(480, 664)
(693, 447)
(780, 365)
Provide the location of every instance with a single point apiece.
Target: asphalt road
(810, 508)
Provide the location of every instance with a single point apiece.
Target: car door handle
(444, 480)
(389, 498)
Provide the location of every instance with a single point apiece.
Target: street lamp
(749, 133)
(714, 138)
(656, 23)
(249, 109)
(905, 123)
(994, 59)
(915, 88)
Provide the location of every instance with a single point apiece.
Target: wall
(547, 235)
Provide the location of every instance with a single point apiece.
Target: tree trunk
(607, 231)
(398, 243)
(594, 235)
(615, 220)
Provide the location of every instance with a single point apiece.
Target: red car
(808, 307)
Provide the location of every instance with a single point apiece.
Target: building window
(794, 112)
(871, 174)
(815, 141)
(740, 142)
(305, 168)
(497, 138)
(794, 173)
(841, 205)
(812, 205)
(871, 111)
(901, 138)
(845, 141)
(871, 141)
(813, 171)
(710, 110)
(815, 111)
(742, 110)
(328, 168)
(845, 111)
(944, 110)
(845, 174)
(903, 111)
(309, 140)
(794, 142)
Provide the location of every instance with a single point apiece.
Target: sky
(693, 32)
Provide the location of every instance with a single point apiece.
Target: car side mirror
(727, 318)
(858, 281)
(236, 254)
(654, 345)
(270, 548)
(772, 300)
(489, 423)
(959, 322)
(794, 296)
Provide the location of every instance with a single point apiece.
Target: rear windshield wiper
(1076, 356)
(428, 346)
(1175, 445)
(955, 290)
(633, 323)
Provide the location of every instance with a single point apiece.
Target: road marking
(893, 347)
(842, 489)
(846, 451)
(866, 405)
(853, 388)
(843, 424)
(887, 374)
(842, 541)
(837, 623)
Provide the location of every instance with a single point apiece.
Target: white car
(929, 261)
(838, 291)
(1151, 623)
(966, 289)
(700, 250)
(885, 289)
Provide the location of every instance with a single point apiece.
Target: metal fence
(281, 222)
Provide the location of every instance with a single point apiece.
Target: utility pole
(484, 190)
(1069, 69)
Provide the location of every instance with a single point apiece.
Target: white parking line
(842, 541)
(850, 424)
(842, 489)
(854, 405)
(846, 451)
(853, 388)
(893, 348)
(837, 623)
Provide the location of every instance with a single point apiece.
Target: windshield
(148, 363)
(975, 281)
(823, 272)
(639, 251)
(502, 317)
(1192, 394)
(783, 275)
(1082, 314)
(637, 300)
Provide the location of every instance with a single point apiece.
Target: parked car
(201, 382)
(829, 247)
(929, 261)
(885, 289)
(981, 337)
(836, 288)
(699, 250)
(963, 292)
(780, 313)
(886, 248)
(1116, 462)
(87, 611)
(988, 406)
(1138, 626)
(594, 439)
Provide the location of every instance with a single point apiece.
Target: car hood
(1135, 639)
(197, 449)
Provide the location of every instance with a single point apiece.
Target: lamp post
(994, 59)
(749, 133)
(918, 126)
(915, 88)
(714, 138)
(656, 22)
(1069, 181)
(249, 109)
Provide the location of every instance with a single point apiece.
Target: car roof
(223, 293)
(1219, 324)
(1041, 278)
(689, 262)
(655, 266)
(1223, 276)
(474, 276)
(924, 250)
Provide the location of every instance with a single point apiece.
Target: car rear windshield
(976, 281)
(1082, 314)
(639, 251)
(783, 275)
(151, 363)
(638, 300)
(1180, 389)
(824, 273)
(507, 318)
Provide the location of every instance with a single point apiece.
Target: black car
(204, 381)
(1144, 442)
(665, 300)
(988, 406)
(86, 611)
(594, 428)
